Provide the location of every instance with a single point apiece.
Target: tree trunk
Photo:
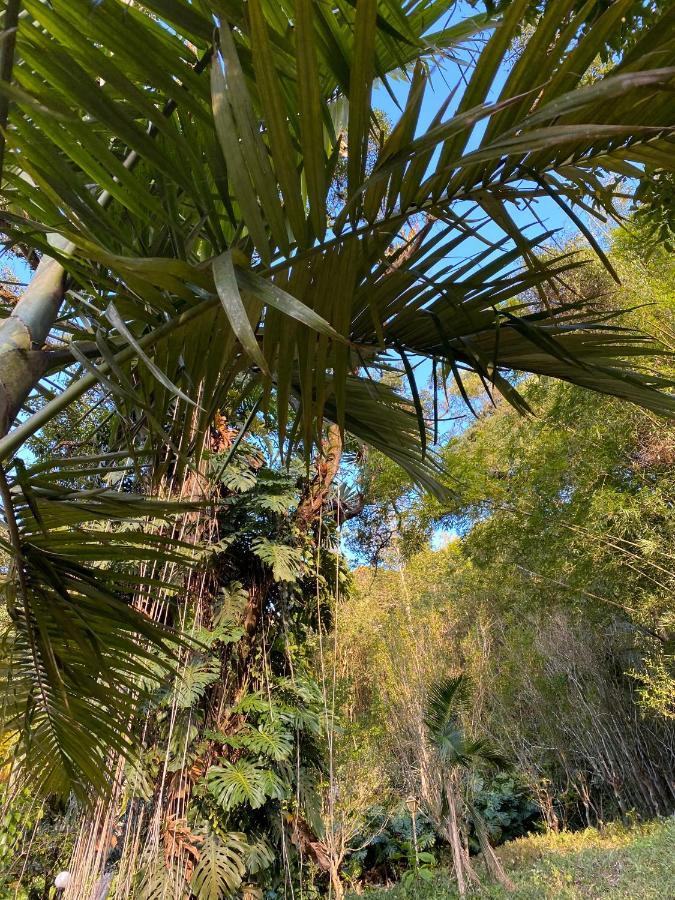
(456, 845)
(103, 887)
(327, 467)
(336, 884)
(464, 872)
(492, 861)
(22, 336)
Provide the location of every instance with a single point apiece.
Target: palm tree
(459, 756)
(167, 170)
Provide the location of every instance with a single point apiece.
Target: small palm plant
(460, 755)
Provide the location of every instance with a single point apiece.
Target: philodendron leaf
(221, 866)
(285, 561)
(243, 782)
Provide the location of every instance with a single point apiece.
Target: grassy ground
(630, 863)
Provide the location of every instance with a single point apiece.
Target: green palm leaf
(447, 699)
(78, 656)
(248, 188)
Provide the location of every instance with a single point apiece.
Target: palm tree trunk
(456, 844)
(492, 862)
(22, 336)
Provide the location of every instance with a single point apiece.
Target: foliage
(621, 33)
(553, 661)
(446, 700)
(75, 650)
(285, 562)
(186, 261)
(35, 842)
(595, 530)
(240, 783)
(233, 217)
(221, 867)
(241, 715)
(221, 226)
(389, 850)
(553, 595)
(506, 805)
(202, 216)
(655, 201)
(617, 862)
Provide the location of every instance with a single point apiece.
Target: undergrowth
(634, 863)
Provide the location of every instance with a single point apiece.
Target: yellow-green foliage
(635, 863)
(618, 863)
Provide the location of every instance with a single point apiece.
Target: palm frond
(78, 656)
(251, 180)
(447, 700)
(177, 187)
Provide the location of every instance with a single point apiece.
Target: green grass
(633, 863)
